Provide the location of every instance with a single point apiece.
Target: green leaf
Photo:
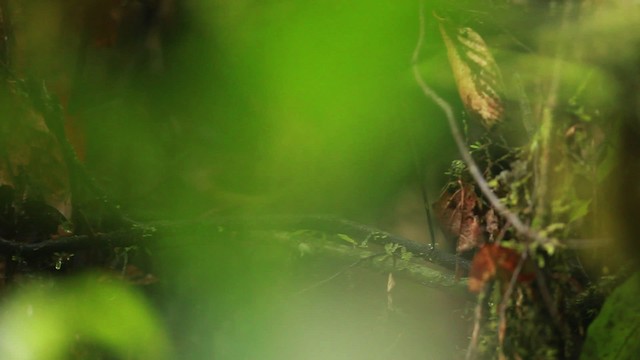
(606, 166)
(348, 239)
(615, 333)
(580, 210)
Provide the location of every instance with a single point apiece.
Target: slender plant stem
(502, 310)
(475, 334)
(520, 227)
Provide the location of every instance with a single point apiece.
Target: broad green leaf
(615, 334)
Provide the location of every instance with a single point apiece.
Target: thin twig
(416, 52)
(426, 203)
(502, 327)
(518, 225)
(425, 198)
(475, 334)
(549, 304)
(546, 127)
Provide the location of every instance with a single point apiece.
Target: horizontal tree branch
(152, 234)
(414, 269)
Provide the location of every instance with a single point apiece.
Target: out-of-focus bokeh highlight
(47, 321)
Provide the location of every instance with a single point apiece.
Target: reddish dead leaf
(493, 260)
(470, 232)
(483, 268)
(455, 212)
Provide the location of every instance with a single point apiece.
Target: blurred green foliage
(66, 319)
(242, 107)
(614, 333)
(285, 102)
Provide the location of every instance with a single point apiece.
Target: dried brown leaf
(476, 74)
(470, 234)
(455, 213)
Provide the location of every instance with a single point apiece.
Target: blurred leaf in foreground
(68, 320)
(614, 334)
